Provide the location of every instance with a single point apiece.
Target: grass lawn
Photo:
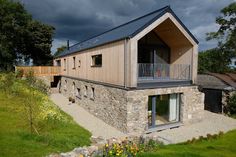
(16, 139)
(224, 146)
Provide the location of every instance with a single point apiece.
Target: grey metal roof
(127, 30)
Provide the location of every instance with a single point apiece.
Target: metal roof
(127, 30)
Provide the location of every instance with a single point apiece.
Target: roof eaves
(151, 21)
(182, 24)
(167, 9)
(73, 52)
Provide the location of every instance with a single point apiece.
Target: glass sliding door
(163, 109)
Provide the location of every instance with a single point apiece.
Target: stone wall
(127, 110)
(106, 103)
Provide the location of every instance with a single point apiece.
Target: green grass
(16, 139)
(224, 146)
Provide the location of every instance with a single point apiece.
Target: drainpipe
(68, 44)
(191, 68)
(125, 63)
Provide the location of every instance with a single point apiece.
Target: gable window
(97, 60)
(64, 64)
(73, 63)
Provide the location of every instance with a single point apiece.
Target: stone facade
(106, 103)
(191, 106)
(127, 110)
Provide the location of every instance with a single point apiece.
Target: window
(73, 89)
(65, 88)
(78, 93)
(58, 62)
(79, 63)
(64, 64)
(86, 91)
(73, 63)
(163, 109)
(97, 61)
(93, 94)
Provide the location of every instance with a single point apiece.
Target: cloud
(80, 19)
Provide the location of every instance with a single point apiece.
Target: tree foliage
(213, 60)
(20, 35)
(218, 59)
(60, 50)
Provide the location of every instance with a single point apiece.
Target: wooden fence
(40, 70)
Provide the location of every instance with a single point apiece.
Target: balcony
(153, 74)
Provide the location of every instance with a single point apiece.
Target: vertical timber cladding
(111, 71)
(127, 110)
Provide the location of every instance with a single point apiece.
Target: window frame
(93, 60)
(86, 91)
(92, 93)
(79, 63)
(78, 93)
(64, 68)
(74, 64)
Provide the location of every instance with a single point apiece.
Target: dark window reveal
(97, 61)
(73, 63)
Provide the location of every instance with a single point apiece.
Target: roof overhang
(168, 16)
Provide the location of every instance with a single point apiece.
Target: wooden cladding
(40, 70)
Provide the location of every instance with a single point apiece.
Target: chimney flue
(68, 44)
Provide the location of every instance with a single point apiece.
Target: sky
(77, 20)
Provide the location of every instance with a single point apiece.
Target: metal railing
(163, 71)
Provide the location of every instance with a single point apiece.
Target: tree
(60, 50)
(213, 60)
(218, 59)
(40, 42)
(20, 35)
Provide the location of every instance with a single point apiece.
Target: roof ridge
(163, 8)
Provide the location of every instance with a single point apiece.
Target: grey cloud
(80, 19)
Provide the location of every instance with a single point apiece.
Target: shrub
(129, 148)
(208, 137)
(36, 83)
(19, 73)
(232, 104)
(6, 82)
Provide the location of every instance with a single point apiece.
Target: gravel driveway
(211, 124)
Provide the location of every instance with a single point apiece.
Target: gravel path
(211, 124)
(96, 126)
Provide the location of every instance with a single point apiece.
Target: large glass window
(163, 109)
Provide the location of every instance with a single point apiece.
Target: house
(218, 88)
(139, 76)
